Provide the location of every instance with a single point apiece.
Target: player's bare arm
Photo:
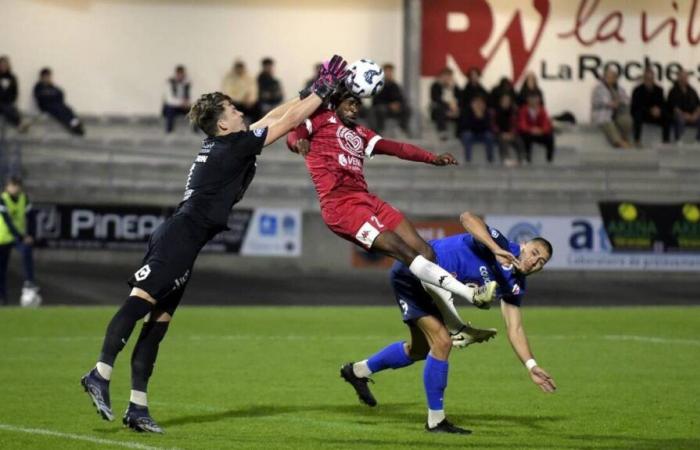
(518, 340)
(276, 114)
(477, 228)
(331, 75)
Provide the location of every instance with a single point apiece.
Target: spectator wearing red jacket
(535, 127)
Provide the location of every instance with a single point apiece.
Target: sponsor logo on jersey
(494, 233)
(516, 289)
(350, 141)
(201, 158)
(484, 272)
(258, 132)
(343, 160)
(143, 273)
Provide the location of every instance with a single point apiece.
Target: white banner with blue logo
(580, 242)
(273, 232)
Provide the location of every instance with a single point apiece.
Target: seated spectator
(472, 89)
(475, 126)
(505, 127)
(609, 104)
(8, 96)
(269, 88)
(389, 103)
(49, 99)
(443, 101)
(503, 87)
(243, 90)
(684, 106)
(535, 127)
(648, 106)
(529, 86)
(176, 98)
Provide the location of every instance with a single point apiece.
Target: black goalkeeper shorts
(167, 265)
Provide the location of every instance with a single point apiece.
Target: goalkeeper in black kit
(217, 180)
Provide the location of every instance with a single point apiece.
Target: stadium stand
(129, 160)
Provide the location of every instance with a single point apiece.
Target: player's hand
(542, 379)
(506, 258)
(445, 159)
(302, 147)
(330, 76)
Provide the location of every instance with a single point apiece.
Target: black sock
(144, 357)
(121, 326)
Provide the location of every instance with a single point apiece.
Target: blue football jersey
(470, 261)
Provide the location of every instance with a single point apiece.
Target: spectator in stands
(389, 103)
(505, 86)
(243, 90)
(505, 127)
(15, 232)
(609, 109)
(270, 91)
(535, 126)
(176, 98)
(8, 96)
(648, 106)
(473, 88)
(684, 106)
(529, 86)
(49, 99)
(444, 95)
(475, 126)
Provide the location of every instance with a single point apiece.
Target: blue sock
(392, 356)
(435, 381)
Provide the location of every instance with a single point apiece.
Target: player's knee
(441, 346)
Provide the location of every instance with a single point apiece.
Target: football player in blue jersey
(475, 257)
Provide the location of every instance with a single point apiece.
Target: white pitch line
(651, 339)
(78, 437)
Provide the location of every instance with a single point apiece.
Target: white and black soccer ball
(366, 78)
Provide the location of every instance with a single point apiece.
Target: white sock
(431, 273)
(138, 398)
(105, 370)
(361, 369)
(435, 417)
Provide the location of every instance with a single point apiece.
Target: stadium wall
(114, 56)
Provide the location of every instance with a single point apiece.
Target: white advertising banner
(273, 232)
(580, 242)
(566, 43)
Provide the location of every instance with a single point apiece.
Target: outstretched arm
(412, 153)
(329, 78)
(521, 347)
(275, 114)
(477, 228)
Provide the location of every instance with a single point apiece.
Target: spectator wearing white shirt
(176, 98)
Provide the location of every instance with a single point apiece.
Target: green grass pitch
(629, 378)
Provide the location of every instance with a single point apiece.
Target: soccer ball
(366, 78)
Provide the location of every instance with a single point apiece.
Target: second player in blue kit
(480, 256)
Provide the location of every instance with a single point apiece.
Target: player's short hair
(206, 111)
(44, 71)
(545, 243)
